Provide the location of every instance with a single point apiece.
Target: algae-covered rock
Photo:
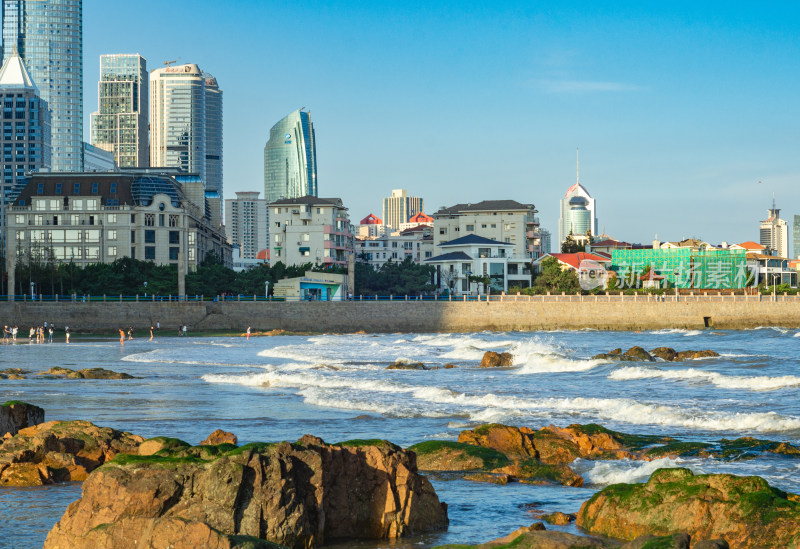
(297, 495)
(220, 437)
(664, 353)
(693, 355)
(445, 455)
(493, 478)
(745, 511)
(536, 537)
(86, 373)
(675, 541)
(496, 360)
(403, 364)
(558, 518)
(514, 442)
(637, 353)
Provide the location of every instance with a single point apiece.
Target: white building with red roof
(371, 226)
(578, 213)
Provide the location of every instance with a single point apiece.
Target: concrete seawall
(419, 316)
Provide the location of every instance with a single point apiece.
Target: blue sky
(678, 111)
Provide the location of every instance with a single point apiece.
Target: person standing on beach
(121, 337)
(184, 329)
(130, 332)
(30, 335)
(50, 333)
(158, 324)
(66, 332)
(151, 332)
(248, 333)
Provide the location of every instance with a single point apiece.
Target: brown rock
(61, 451)
(616, 352)
(558, 518)
(712, 544)
(219, 437)
(448, 366)
(511, 441)
(496, 360)
(535, 527)
(298, 495)
(675, 541)
(86, 373)
(693, 355)
(539, 539)
(407, 365)
(16, 415)
(664, 353)
(494, 478)
(637, 353)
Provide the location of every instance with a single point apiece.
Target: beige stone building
(101, 217)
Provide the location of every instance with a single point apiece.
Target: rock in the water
(693, 355)
(445, 455)
(449, 366)
(558, 518)
(514, 442)
(637, 353)
(155, 445)
(664, 353)
(13, 373)
(298, 495)
(493, 478)
(712, 544)
(675, 541)
(534, 537)
(220, 437)
(86, 373)
(496, 360)
(60, 451)
(16, 415)
(403, 364)
(745, 511)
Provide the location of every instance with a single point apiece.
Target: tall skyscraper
(578, 212)
(120, 123)
(213, 136)
(178, 119)
(290, 158)
(25, 140)
(796, 237)
(246, 218)
(48, 34)
(400, 207)
(775, 232)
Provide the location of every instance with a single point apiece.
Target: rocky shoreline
(165, 492)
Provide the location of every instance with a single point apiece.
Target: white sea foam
(756, 383)
(554, 364)
(796, 335)
(682, 331)
(603, 473)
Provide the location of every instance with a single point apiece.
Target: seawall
(412, 316)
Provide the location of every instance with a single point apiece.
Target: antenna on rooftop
(578, 165)
(168, 63)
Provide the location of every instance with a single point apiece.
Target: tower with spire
(578, 211)
(774, 233)
(25, 137)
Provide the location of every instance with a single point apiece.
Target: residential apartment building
(775, 233)
(476, 256)
(120, 123)
(101, 217)
(48, 35)
(309, 229)
(371, 226)
(25, 140)
(400, 208)
(246, 218)
(505, 221)
(415, 243)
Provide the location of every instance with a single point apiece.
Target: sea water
(337, 387)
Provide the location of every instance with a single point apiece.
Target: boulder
(297, 495)
(493, 478)
(712, 544)
(693, 355)
(638, 354)
(449, 366)
(446, 455)
(536, 537)
(664, 353)
(558, 518)
(745, 511)
(514, 442)
(86, 373)
(403, 364)
(496, 360)
(13, 373)
(16, 415)
(155, 445)
(220, 437)
(61, 451)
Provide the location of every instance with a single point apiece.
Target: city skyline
(672, 110)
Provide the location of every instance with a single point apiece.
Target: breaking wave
(604, 473)
(756, 383)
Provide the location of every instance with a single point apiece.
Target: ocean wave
(683, 331)
(796, 335)
(604, 473)
(756, 383)
(406, 400)
(546, 364)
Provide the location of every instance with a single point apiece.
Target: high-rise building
(213, 136)
(25, 140)
(399, 208)
(290, 158)
(246, 223)
(796, 237)
(48, 34)
(578, 213)
(775, 233)
(178, 119)
(120, 123)
(96, 159)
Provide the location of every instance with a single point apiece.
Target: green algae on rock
(745, 511)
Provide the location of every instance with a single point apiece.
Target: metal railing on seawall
(499, 298)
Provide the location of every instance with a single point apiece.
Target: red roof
(574, 260)
(372, 219)
(651, 275)
(421, 218)
(750, 245)
(263, 254)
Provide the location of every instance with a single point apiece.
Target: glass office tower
(48, 34)
(796, 237)
(120, 123)
(290, 158)
(213, 136)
